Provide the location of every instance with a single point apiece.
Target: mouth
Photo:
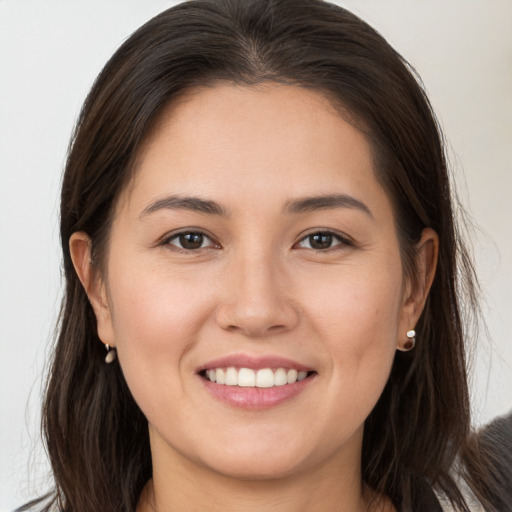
(255, 378)
(255, 383)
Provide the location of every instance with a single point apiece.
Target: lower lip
(256, 398)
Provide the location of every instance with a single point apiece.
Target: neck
(185, 486)
(278, 496)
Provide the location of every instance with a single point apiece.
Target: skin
(257, 286)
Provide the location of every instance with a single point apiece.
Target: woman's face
(255, 243)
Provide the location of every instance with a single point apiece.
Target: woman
(257, 225)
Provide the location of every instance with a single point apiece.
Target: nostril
(277, 327)
(257, 316)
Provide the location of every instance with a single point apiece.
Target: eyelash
(343, 241)
(167, 241)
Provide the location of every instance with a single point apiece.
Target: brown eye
(190, 240)
(322, 240)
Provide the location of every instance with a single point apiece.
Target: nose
(257, 301)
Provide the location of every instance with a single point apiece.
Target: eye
(190, 241)
(322, 241)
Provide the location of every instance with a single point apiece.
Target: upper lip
(254, 362)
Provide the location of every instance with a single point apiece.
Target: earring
(411, 341)
(111, 354)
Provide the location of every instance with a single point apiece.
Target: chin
(268, 459)
(260, 468)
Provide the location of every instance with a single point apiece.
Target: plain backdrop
(50, 53)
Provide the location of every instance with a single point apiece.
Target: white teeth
(264, 378)
(280, 377)
(291, 376)
(231, 377)
(219, 376)
(248, 378)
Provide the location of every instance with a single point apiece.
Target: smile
(249, 378)
(255, 382)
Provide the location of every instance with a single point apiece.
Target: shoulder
(488, 463)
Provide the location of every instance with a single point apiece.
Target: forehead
(258, 141)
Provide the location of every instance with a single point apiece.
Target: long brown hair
(96, 435)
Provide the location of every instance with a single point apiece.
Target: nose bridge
(256, 301)
(258, 279)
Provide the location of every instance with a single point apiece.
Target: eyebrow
(302, 205)
(325, 202)
(176, 202)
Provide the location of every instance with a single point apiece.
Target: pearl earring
(111, 354)
(411, 341)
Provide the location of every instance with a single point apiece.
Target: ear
(80, 249)
(417, 288)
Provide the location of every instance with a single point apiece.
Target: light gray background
(50, 52)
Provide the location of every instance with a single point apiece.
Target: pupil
(191, 240)
(321, 241)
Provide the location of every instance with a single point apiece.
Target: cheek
(360, 308)
(155, 321)
(153, 309)
(357, 315)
